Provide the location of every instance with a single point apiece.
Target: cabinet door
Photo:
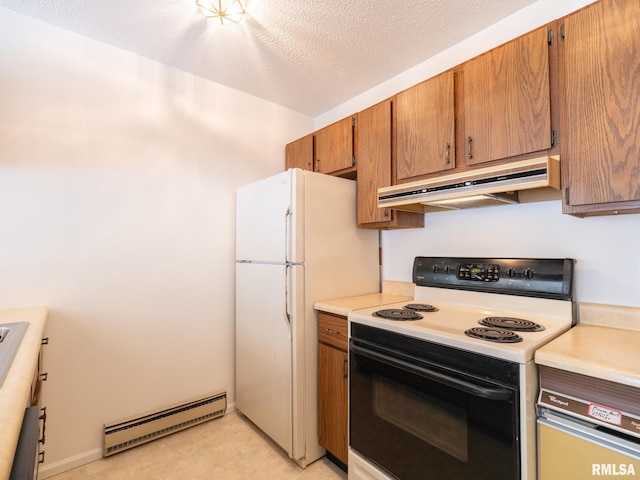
(600, 107)
(375, 170)
(507, 107)
(299, 154)
(334, 146)
(332, 400)
(426, 128)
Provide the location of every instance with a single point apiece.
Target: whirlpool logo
(612, 469)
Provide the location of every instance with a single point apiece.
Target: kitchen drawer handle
(333, 332)
(43, 376)
(41, 457)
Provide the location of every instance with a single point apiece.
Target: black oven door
(419, 419)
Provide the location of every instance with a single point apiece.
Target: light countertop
(15, 393)
(342, 306)
(605, 344)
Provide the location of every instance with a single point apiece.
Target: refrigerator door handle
(287, 235)
(287, 296)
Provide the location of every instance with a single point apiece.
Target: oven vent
(136, 430)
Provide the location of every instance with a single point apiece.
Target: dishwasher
(26, 460)
(587, 427)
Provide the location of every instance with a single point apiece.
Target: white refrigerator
(296, 243)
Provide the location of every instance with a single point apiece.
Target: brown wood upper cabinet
(507, 100)
(425, 128)
(335, 148)
(299, 153)
(600, 109)
(374, 155)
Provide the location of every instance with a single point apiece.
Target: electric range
(420, 361)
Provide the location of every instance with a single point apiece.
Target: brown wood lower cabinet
(333, 384)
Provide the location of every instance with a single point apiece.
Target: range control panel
(552, 278)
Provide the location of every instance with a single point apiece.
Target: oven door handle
(489, 393)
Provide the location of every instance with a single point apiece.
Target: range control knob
(511, 272)
(528, 273)
(436, 269)
(449, 269)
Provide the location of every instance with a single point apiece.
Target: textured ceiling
(308, 55)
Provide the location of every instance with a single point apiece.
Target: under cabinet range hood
(529, 180)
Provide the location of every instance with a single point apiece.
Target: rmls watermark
(612, 469)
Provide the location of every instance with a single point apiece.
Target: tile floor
(227, 448)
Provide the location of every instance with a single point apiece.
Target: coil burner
(400, 314)
(494, 335)
(511, 323)
(421, 307)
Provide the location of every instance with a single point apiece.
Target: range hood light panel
(453, 201)
(474, 200)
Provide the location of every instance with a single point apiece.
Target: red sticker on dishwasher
(605, 414)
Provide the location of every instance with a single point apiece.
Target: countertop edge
(16, 390)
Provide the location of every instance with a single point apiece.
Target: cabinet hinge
(566, 196)
(562, 32)
(353, 160)
(550, 37)
(554, 138)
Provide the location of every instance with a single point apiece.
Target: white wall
(606, 248)
(117, 184)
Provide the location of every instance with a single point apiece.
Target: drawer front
(332, 330)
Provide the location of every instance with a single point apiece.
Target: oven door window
(427, 418)
(418, 422)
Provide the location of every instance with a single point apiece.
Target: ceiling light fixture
(228, 11)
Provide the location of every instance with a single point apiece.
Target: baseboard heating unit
(136, 430)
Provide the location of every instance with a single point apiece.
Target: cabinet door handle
(469, 140)
(44, 376)
(40, 457)
(447, 148)
(345, 368)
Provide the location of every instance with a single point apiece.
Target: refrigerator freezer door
(264, 350)
(266, 217)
